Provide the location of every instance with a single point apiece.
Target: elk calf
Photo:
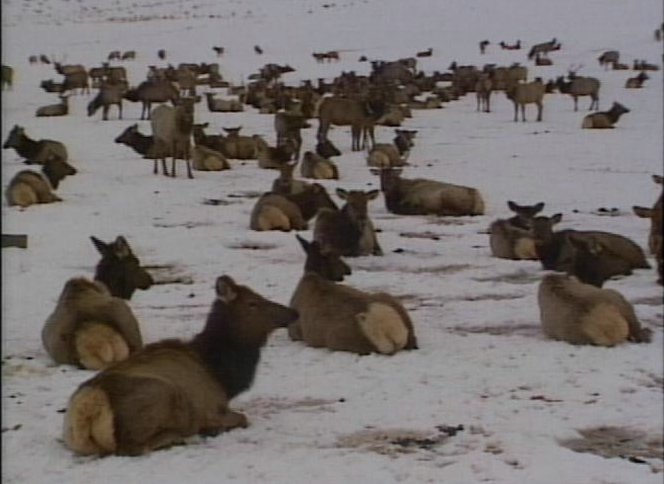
(172, 389)
(582, 314)
(342, 318)
(89, 327)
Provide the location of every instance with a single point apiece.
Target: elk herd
(149, 396)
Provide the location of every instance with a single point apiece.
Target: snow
(330, 417)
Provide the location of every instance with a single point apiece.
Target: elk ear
(538, 207)
(101, 246)
(373, 194)
(121, 247)
(658, 179)
(343, 194)
(226, 289)
(556, 218)
(512, 206)
(642, 212)
(304, 243)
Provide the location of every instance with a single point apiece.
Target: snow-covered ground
(325, 417)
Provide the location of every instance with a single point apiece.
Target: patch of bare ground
(448, 221)
(249, 245)
(266, 407)
(245, 194)
(187, 225)
(395, 442)
(529, 330)
(437, 269)
(634, 445)
(518, 277)
(218, 201)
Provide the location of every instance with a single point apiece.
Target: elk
(483, 89)
(655, 244)
(386, 155)
(604, 119)
(114, 55)
(55, 170)
(543, 48)
(420, 196)
(636, 82)
(425, 53)
(285, 183)
(612, 254)
(172, 389)
(319, 168)
(34, 151)
(108, 95)
(608, 58)
(348, 230)
(119, 269)
(7, 77)
(90, 328)
(342, 318)
(218, 50)
(207, 159)
(128, 55)
(139, 142)
(271, 157)
(161, 53)
(171, 128)
(514, 46)
(512, 238)
(28, 188)
(483, 46)
(52, 87)
(60, 109)
(289, 126)
(239, 147)
(543, 60)
(361, 115)
(579, 86)
(326, 149)
(526, 93)
(582, 314)
(148, 92)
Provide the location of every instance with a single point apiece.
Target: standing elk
(578, 86)
(361, 115)
(89, 327)
(172, 389)
(171, 128)
(108, 95)
(655, 243)
(148, 92)
(526, 93)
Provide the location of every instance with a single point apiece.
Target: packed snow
(486, 397)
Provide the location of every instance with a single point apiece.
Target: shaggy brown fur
(89, 327)
(172, 389)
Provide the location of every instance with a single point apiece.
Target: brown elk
(483, 89)
(420, 196)
(579, 86)
(526, 93)
(608, 58)
(582, 314)
(34, 151)
(109, 94)
(317, 167)
(174, 389)
(55, 170)
(386, 155)
(289, 126)
(89, 327)
(512, 238)
(342, 318)
(655, 243)
(361, 115)
(148, 92)
(119, 269)
(349, 230)
(636, 82)
(604, 119)
(171, 128)
(28, 188)
(60, 109)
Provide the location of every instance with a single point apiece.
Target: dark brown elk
(514, 46)
(326, 149)
(425, 53)
(7, 77)
(349, 230)
(55, 170)
(171, 128)
(139, 142)
(119, 268)
(109, 94)
(128, 55)
(161, 53)
(543, 48)
(361, 115)
(636, 82)
(89, 327)
(579, 86)
(581, 314)
(420, 196)
(114, 55)
(258, 49)
(512, 238)
(34, 151)
(604, 119)
(52, 87)
(602, 254)
(174, 389)
(655, 243)
(342, 318)
(483, 45)
(60, 109)
(148, 92)
(608, 58)
(289, 127)
(542, 60)
(218, 50)
(27, 188)
(526, 93)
